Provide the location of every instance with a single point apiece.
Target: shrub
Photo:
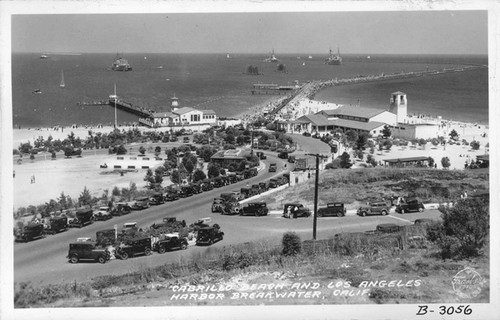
(464, 230)
(291, 244)
(445, 162)
(475, 145)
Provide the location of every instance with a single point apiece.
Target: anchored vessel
(121, 64)
(271, 58)
(333, 59)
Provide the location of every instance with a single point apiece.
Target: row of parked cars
(124, 244)
(229, 202)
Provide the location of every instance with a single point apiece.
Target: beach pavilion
(410, 161)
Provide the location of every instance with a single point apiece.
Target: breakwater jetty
(309, 89)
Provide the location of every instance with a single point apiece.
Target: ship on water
(44, 56)
(334, 59)
(121, 64)
(271, 58)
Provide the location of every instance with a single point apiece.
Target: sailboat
(63, 84)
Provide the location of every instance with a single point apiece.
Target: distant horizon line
(249, 53)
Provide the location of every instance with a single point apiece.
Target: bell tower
(399, 106)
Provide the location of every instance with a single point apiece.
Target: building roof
(184, 110)
(365, 126)
(355, 111)
(483, 157)
(208, 111)
(163, 115)
(316, 119)
(399, 92)
(409, 159)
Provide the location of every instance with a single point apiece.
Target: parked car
(185, 140)
(133, 247)
(83, 218)
(209, 235)
(218, 205)
(264, 186)
(102, 214)
(140, 203)
(87, 250)
(273, 167)
(424, 221)
(120, 209)
(334, 209)
(203, 222)
(57, 224)
(295, 210)
(374, 207)
(248, 192)
(261, 155)
(186, 191)
(283, 155)
(170, 242)
(410, 205)
(30, 232)
(273, 183)
(255, 209)
(156, 199)
(172, 195)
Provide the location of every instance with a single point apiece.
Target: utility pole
(315, 216)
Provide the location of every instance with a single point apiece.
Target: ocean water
(211, 81)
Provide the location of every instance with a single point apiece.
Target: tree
(359, 154)
(434, 142)
(422, 142)
(371, 160)
(291, 244)
(431, 162)
(199, 175)
(63, 201)
(445, 162)
(386, 132)
(189, 166)
(351, 137)
(175, 177)
(142, 150)
(475, 145)
(85, 198)
(149, 176)
(345, 161)
(213, 170)
(121, 150)
(115, 192)
(362, 140)
(464, 230)
(453, 135)
(387, 144)
(157, 150)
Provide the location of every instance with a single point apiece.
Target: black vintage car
(140, 203)
(334, 209)
(120, 209)
(261, 155)
(295, 210)
(30, 232)
(186, 191)
(248, 192)
(57, 224)
(102, 214)
(209, 235)
(196, 187)
(373, 207)
(156, 199)
(87, 251)
(410, 205)
(264, 186)
(170, 243)
(133, 247)
(273, 167)
(206, 185)
(83, 218)
(172, 195)
(273, 183)
(218, 205)
(254, 209)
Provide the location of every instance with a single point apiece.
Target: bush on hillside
(291, 244)
(464, 230)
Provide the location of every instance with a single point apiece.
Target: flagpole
(115, 107)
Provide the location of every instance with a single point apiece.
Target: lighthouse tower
(175, 103)
(399, 106)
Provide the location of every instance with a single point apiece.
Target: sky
(393, 32)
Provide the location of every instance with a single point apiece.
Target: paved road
(44, 261)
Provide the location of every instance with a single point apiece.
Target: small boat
(120, 64)
(228, 56)
(310, 57)
(62, 84)
(303, 63)
(37, 91)
(44, 56)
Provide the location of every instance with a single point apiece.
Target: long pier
(122, 105)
